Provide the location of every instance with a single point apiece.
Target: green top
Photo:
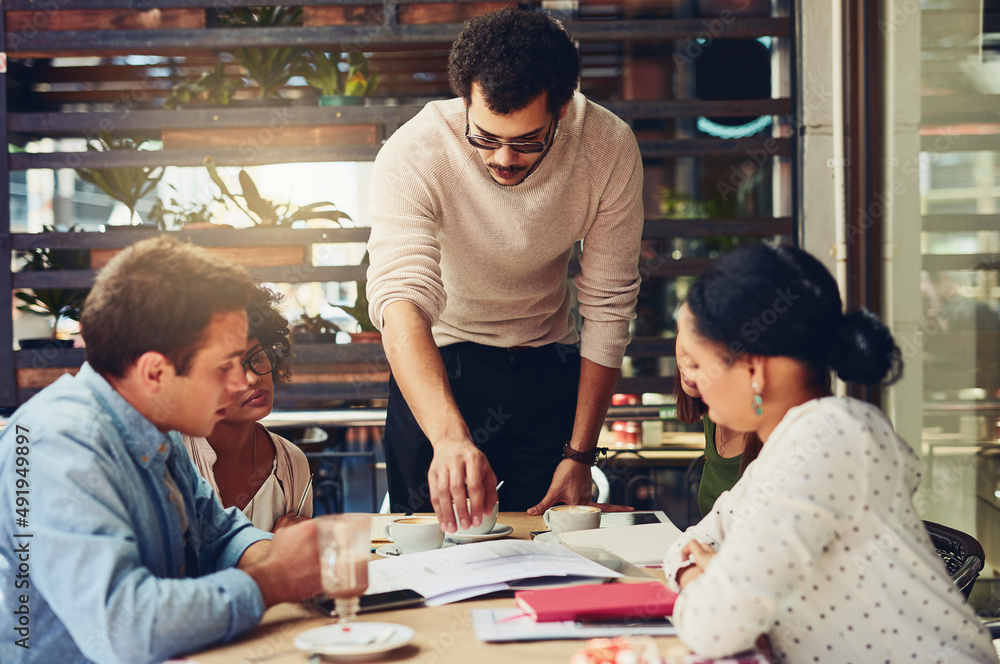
(719, 474)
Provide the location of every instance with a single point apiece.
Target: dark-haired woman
(727, 452)
(818, 546)
(257, 471)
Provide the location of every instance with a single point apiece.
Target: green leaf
(214, 174)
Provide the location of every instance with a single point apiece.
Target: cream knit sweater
(488, 263)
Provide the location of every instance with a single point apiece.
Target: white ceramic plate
(498, 531)
(356, 640)
(548, 537)
(390, 550)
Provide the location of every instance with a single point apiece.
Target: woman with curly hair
(257, 471)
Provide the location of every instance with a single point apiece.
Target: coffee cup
(566, 518)
(412, 534)
(487, 524)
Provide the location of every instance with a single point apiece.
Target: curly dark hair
(268, 326)
(514, 55)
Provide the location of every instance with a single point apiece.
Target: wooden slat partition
(277, 135)
(249, 256)
(446, 12)
(105, 19)
(342, 15)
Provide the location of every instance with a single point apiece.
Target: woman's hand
(700, 555)
(287, 520)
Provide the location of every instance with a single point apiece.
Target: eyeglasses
(522, 147)
(262, 362)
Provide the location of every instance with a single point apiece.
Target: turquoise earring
(756, 404)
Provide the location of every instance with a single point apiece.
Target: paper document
(514, 625)
(639, 545)
(441, 571)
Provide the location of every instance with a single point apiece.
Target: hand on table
(458, 471)
(571, 484)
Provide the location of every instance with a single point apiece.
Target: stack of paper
(460, 572)
(640, 545)
(513, 625)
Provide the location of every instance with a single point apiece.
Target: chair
(962, 555)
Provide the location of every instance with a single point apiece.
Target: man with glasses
(477, 204)
(120, 553)
(260, 473)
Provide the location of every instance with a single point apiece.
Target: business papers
(459, 572)
(639, 545)
(514, 625)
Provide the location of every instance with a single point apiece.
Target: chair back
(962, 555)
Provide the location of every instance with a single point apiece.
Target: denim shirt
(100, 567)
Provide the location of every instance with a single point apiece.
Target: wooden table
(443, 634)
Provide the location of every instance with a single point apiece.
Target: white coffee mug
(565, 518)
(487, 524)
(412, 534)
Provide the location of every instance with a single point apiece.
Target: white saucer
(390, 551)
(354, 641)
(499, 530)
(548, 538)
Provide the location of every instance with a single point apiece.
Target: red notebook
(604, 601)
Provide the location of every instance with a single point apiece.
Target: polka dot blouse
(819, 546)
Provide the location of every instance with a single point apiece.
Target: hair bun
(862, 350)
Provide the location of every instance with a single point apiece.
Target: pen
(302, 500)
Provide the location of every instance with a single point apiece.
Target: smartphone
(395, 599)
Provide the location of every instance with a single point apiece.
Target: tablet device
(394, 599)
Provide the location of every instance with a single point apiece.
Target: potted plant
(367, 333)
(212, 88)
(343, 79)
(314, 329)
(263, 212)
(269, 67)
(57, 303)
(127, 185)
(174, 214)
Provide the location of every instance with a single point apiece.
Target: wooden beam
(260, 236)
(107, 19)
(226, 137)
(223, 157)
(358, 14)
(150, 120)
(20, 44)
(446, 12)
(960, 223)
(280, 274)
(938, 262)
(947, 142)
(758, 149)
(674, 228)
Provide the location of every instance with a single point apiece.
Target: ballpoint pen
(302, 501)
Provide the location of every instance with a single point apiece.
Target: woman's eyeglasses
(523, 147)
(262, 361)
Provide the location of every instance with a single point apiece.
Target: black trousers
(519, 406)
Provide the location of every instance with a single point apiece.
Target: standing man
(477, 204)
(114, 549)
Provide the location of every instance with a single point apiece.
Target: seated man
(115, 549)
